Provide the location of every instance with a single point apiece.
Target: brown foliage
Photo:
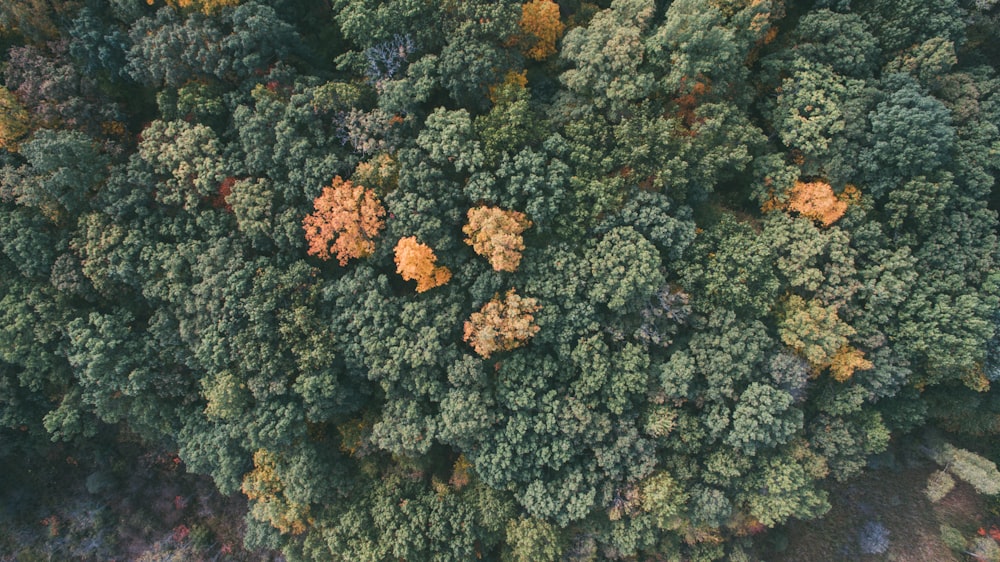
(416, 262)
(346, 220)
(540, 29)
(502, 325)
(688, 101)
(495, 234)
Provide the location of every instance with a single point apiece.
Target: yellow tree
(495, 234)
(14, 121)
(346, 219)
(818, 334)
(540, 28)
(263, 486)
(502, 325)
(416, 262)
(207, 7)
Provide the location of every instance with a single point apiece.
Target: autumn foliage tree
(496, 235)
(502, 325)
(203, 6)
(417, 262)
(346, 220)
(540, 28)
(817, 201)
(264, 487)
(14, 120)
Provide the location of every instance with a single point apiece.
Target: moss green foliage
(710, 337)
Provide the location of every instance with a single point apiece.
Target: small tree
(346, 220)
(263, 486)
(416, 262)
(502, 325)
(204, 6)
(496, 235)
(14, 121)
(938, 485)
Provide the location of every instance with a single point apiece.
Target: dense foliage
(676, 264)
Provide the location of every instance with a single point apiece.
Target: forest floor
(127, 504)
(893, 497)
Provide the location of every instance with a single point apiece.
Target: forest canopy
(502, 280)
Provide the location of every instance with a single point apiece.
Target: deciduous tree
(502, 325)
(345, 222)
(540, 28)
(496, 235)
(416, 262)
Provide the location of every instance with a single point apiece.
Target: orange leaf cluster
(817, 201)
(496, 235)
(346, 219)
(687, 103)
(502, 325)
(415, 262)
(206, 7)
(846, 361)
(540, 28)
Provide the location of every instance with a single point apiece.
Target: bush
(874, 538)
(953, 538)
(985, 549)
(938, 485)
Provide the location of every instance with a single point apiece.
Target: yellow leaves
(346, 219)
(502, 325)
(495, 234)
(461, 473)
(380, 173)
(976, 380)
(540, 29)
(206, 7)
(512, 82)
(818, 334)
(416, 262)
(264, 487)
(14, 121)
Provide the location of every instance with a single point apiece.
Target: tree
(817, 201)
(532, 539)
(264, 487)
(345, 222)
(416, 262)
(496, 235)
(207, 7)
(502, 325)
(763, 417)
(14, 124)
(624, 269)
(540, 28)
